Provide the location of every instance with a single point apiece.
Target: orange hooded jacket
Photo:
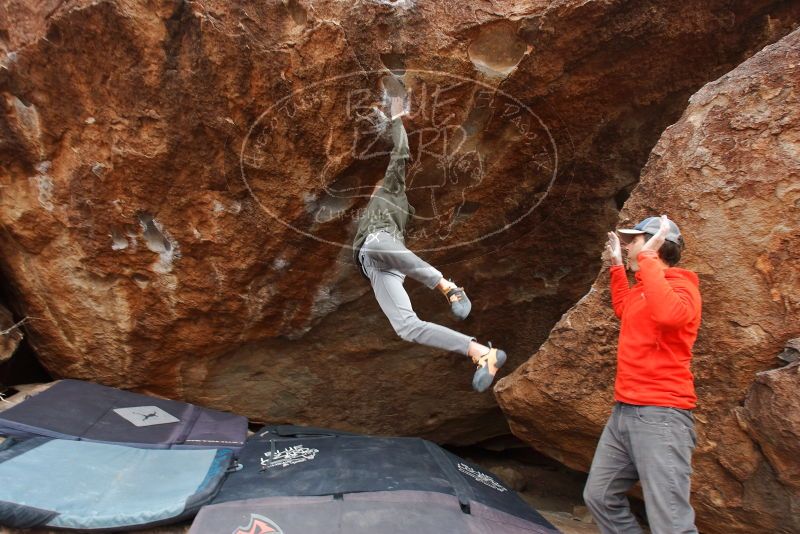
(660, 318)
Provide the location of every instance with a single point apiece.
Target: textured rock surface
(771, 416)
(10, 335)
(129, 231)
(729, 173)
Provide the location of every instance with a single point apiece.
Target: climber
(650, 435)
(380, 253)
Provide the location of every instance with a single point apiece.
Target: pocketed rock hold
(215, 296)
(727, 172)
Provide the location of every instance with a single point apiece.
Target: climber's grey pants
(386, 262)
(649, 443)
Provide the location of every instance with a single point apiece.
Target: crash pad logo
(483, 478)
(289, 456)
(259, 525)
(146, 415)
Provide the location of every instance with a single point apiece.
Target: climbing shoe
(483, 377)
(460, 305)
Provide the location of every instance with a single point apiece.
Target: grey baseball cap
(650, 225)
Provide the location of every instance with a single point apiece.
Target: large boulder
(180, 181)
(728, 172)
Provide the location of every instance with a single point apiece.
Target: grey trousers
(653, 444)
(386, 261)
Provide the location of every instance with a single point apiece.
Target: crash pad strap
(460, 486)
